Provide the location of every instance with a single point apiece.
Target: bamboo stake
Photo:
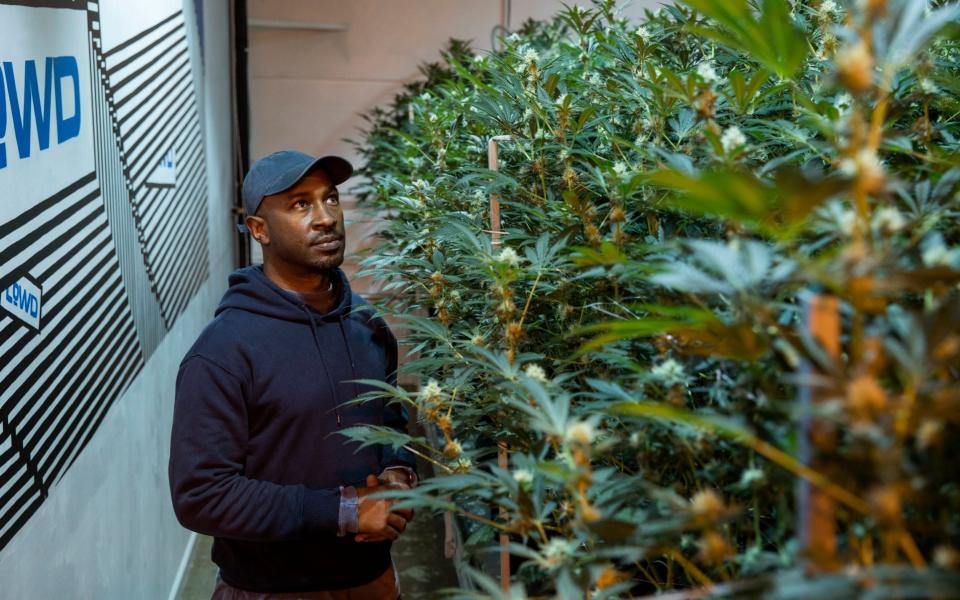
(493, 163)
(817, 510)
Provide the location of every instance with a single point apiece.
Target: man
(255, 458)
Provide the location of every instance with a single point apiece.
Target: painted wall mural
(103, 220)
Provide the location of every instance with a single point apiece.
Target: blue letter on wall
(31, 104)
(3, 122)
(66, 66)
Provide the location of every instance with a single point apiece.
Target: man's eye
(334, 199)
(301, 203)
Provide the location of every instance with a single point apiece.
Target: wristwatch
(412, 478)
(348, 518)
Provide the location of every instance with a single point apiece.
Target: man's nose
(324, 217)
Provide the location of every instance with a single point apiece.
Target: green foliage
(768, 35)
(673, 197)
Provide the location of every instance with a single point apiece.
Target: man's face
(302, 227)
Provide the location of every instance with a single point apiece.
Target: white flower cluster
(843, 103)
(557, 550)
(431, 392)
(620, 169)
(865, 163)
(644, 34)
(828, 8)
(752, 476)
(732, 139)
(529, 57)
(509, 256)
(670, 372)
(580, 432)
(927, 86)
(935, 252)
(846, 221)
(523, 476)
(889, 220)
(535, 371)
(936, 255)
(706, 72)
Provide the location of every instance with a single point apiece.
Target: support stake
(817, 512)
(493, 163)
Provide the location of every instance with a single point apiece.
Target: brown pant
(385, 587)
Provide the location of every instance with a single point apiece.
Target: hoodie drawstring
(353, 366)
(316, 341)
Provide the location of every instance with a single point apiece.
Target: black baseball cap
(282, 170)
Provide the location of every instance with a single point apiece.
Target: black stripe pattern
(56, 385)
(151, 104)
(141, 294)
(117, 260)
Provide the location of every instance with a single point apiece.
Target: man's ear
(257, 226)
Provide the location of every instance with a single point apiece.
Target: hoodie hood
(252, 291)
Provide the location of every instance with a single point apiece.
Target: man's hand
(397, 479)
(376, 521)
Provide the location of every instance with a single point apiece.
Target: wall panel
(104, 229)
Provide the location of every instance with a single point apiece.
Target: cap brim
(336, 167)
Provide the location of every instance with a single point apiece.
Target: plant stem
(649, 575)
(909, 548)
(530, 297)
(815, 477)
(428, 459)
(689, 567)
(479, 519)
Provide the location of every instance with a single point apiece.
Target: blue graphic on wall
(22, 300)
(25, 96)
(165, 173)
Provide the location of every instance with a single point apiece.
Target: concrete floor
(201, 572)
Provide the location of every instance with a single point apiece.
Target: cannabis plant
(712, 341)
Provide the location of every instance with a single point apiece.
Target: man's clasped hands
(377, 521)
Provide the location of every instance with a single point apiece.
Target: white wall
(107, 530)
(308, 88)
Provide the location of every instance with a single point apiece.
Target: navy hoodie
(255, 460)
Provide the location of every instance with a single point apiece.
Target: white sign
(46, 134)
(23, 301)
(165, 173)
